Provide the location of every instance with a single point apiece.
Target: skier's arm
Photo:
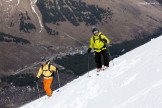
(53, 68)
(105, 39)
(39, 72)
(91, 43)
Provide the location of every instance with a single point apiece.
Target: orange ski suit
(47, 86)
(47, 71)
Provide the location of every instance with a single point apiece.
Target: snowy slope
(135, 81)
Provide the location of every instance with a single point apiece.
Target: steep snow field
(134, 81)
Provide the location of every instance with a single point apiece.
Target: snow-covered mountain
(134, 81)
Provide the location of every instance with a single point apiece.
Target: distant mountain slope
(135, 81)
(53, 26)
(122, 20)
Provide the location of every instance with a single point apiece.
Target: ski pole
(58, 77)
(88, 65)
(38, 89)
(109, 53)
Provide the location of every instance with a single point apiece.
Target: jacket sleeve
(104, 37)
(91, 43)
(53, 68)
(40, 72)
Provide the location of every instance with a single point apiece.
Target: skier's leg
(105, 58)
(98, 60)
(47, 86)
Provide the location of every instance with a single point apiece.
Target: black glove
(104, 40)
(36, 79)
(89, 50)
(57, 69)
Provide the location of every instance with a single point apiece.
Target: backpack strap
(49, 65)
(99, 38)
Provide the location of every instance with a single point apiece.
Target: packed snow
(134, 81)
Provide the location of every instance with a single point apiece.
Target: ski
(102, 70)
(57, 91)
(97, 74)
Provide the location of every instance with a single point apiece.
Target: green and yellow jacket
(96, 42)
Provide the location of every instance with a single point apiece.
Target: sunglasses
(95, 32)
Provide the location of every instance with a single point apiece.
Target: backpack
(105, 45)
(49, 65)
(99, 38)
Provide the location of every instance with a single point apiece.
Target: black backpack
(105, 45)
(49, 65)
(99, 38)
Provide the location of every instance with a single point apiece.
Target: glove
(89, 50)
(104, 40)
(57, 69)
(36, 79)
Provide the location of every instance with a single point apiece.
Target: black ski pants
(98, 60)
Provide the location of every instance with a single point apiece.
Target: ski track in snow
(135, 81)
(129, 80)
(141, 94)
(32, 3)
